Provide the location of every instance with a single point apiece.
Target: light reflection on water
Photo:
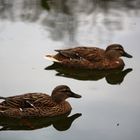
(28, 31)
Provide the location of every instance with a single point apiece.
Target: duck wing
(29, 100)
(88, 53)
(69, 53)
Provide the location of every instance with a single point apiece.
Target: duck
(83, 57)
(32, 105)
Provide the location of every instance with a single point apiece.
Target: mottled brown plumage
(38, 104)
(91, 57)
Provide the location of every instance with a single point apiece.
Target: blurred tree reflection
(10, 9)
(45, 4)
(63, 18)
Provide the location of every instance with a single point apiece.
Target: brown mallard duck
(91, 57)
(38, 104)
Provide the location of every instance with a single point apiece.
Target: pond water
(30, 29)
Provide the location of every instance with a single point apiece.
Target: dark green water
(30, 29)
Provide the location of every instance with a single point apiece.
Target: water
(30, 29)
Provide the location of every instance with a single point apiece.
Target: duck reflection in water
(111, 76)
(60, 123)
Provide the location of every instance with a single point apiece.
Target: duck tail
(51, 58)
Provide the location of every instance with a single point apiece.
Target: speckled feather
(19, 101)
(88, 53)
(44, 111)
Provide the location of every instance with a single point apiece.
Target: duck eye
(120, 50)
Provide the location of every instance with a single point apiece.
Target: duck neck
(58, 101)
(112, 55)
(58, 98)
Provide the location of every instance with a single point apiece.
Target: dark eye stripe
(65, 90)
(119, 49)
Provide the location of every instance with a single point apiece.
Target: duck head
(62, 92)
(116, 51)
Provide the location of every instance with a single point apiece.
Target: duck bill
(125, 54)
(74, 95)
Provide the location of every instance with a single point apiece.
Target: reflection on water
(60, 123)
(29, 28)
(65, 18)
(111, 76)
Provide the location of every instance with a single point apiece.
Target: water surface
(29, 29)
